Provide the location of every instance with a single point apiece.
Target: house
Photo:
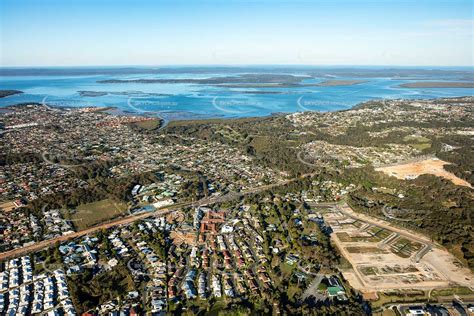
(216, 286)
(291, 259)
(416, 311)
(136, 189)
(227, 229)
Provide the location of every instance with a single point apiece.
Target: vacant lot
(7, 206)
(369, 270)
(429, 166)
(345, 237)
(369, 250)
(379, 233)
(90, 214)
(404, 247)
(149, 124)
(392, 259)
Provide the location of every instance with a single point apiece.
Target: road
(427, 244)
(313, 289)
(132, 218)
(346, 210)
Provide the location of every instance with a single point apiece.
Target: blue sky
(174, 32)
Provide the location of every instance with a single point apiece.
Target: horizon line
(234, 65)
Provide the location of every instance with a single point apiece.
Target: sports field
(90, 214)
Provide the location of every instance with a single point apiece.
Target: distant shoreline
(437, 84)
(91, 94)
(188, 116)
(7, 93)
(336, 83)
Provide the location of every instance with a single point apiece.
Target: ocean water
(61, 86)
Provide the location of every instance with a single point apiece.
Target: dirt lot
(395, 260)
(182, 237)
(429, 166)
(7, 206)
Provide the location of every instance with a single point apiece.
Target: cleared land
(384, 257)
(438, 84)
(418, 142)
(88, 215)
(429, 166)
(7, 206)
(335, 83)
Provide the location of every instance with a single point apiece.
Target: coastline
(438, 84)
(8, 93)
(188, 117)
(115, 110)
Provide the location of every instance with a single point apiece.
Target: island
(246, 81)
(240, 79)
(7, 93)
(85, 93)
(336, 83)
(438, 84)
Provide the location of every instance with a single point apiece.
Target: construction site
(384, 257)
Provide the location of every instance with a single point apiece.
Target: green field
(374, 250)
(149, 125)
(452, 291)
(286, 269)
(379, 233)
(404, 248)
(292, 291)
(345, 237)
(369, 270)
(416, 139)
(91, 214)
(418, 142)
(421, 146)
(409, 297)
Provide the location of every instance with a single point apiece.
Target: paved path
(313, 289)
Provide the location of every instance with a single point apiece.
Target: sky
(236, 32)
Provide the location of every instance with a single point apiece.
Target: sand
(432, 166)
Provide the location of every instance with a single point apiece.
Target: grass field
(90, 214)
(374, 250)
(345, 237)
(404, 248)
(369, 270)
(149, 125)
(399, 298)
(416, 139)
(286, 269)
(379, 233)
(452, 291)
(292, 290)
(421, 146)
